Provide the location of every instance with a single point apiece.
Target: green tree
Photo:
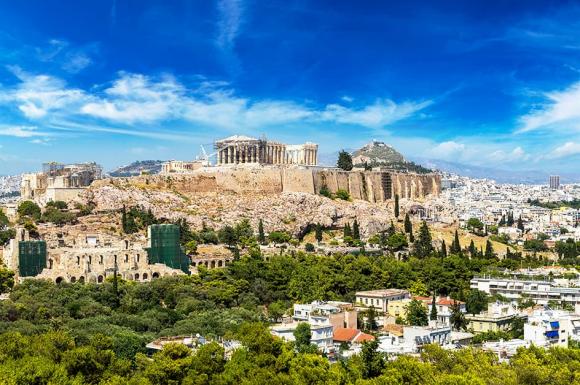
(423, 247)
(261, 235)
(279, 237)
(4, 222)
(303, 336)
(472, 250)
(373, 361)
(408, 224)
(371, 321)
(476, 301)
(489, 250)
(443, 249)
(455, 245)
(227, 235)
(475, 225)
(344, 161)
(346, 231)
(417, 313)
(397, 241)
(397, 206)
(6, 280)
(318, 233)
(433, 313)
(355, 231)
(457, 318)
(521, 224)
(29, 209)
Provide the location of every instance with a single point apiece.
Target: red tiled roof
(351, 335)
(363, 337)
(344, 334)
(447, 301)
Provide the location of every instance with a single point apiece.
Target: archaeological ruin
(92, 257)
(238, 149)
(59, 182)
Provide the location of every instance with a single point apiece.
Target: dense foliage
(96, 334)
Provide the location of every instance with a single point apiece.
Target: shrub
(279, 237)
(342, 194)
(309, 247)
(325, 192)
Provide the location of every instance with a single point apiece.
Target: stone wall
(370, 186)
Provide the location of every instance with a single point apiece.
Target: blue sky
(490, 83)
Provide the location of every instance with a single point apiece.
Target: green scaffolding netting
(165, 247)
(31, 257)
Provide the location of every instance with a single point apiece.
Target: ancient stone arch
(155, 275)
(100, 279)
(73, 279)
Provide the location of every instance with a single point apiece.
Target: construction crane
(204, 157)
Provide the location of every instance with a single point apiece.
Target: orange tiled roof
(344, 334)
(364, 337)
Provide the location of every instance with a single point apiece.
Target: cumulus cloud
(560, 111)
(516, 154)
(447, 150)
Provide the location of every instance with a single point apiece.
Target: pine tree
(408, 224)
(318, 233)
(261, 235)
(355, 231)
(397, 206)
(443, 249)
(489, 250)
(346, 231)
(433, 314)
(423, 247)
(344, 160)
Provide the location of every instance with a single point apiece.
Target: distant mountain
(136, 168)
(499, 175)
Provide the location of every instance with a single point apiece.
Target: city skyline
(490, 85)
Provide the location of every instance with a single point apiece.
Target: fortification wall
(372, 186)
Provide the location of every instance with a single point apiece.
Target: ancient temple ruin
(239, 149)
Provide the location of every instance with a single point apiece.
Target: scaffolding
(31, 258)
(164, 247)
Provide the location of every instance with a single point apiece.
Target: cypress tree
(408, 224)
(510, 219)
(346, 231)
(433, 315)
(261, 235)
(455, 245)
(318, 233)
(521, 224)
(489, 250)
(397, 206)
(443, 249)
(355, 231)
(472, 250)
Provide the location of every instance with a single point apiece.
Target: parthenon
(239, 149)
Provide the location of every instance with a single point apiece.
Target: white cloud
(21, 131)
(37, 95)
(501, 156)
(138, 98)
(561, 111)
(230, 13)
(449, 150)
(565, 150)
(76, 62)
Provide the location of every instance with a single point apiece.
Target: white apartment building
(539, 291)
(321, 335)
(552, 327)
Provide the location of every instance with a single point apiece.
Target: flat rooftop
(381, 293)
